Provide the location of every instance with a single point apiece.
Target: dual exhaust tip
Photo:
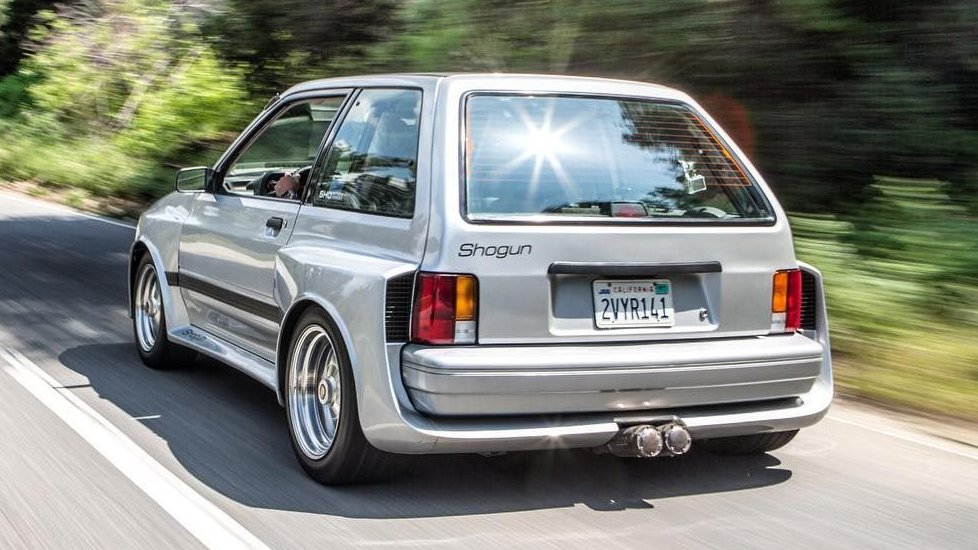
(648, 441)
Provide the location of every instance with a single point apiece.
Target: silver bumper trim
(527, 380)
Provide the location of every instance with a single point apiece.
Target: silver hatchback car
(482, 263)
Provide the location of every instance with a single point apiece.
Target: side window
(287, 146)
(372, 164)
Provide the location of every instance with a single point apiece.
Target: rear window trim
(536, 221)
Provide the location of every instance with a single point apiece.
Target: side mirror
(198, 178)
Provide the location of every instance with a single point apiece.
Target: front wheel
(748, 444)
(321, 406)
(149, 321)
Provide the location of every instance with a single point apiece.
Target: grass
(926, 370)
(75, 199)
(903, 327)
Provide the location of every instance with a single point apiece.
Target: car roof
(541, 82)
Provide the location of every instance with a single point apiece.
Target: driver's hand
(285, 184)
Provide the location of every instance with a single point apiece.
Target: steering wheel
(261, 184)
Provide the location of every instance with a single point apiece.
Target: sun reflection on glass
(544, 145)
(541, 143)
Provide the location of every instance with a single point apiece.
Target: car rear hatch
(582, 286)
(600, 219)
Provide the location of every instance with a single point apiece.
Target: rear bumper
(415, 433)
(531, 380)
(527, 398)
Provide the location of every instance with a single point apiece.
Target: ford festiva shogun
(483, 263)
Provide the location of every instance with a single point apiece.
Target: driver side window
(287, 145)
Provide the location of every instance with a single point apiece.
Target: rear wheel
(149, 321)
(321, 406)
(748, 444)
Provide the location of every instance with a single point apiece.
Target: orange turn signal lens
(466, 297)
(779, 297)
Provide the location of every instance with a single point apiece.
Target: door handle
(275, 223)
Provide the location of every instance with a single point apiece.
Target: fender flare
(299, 304)
(154, 254)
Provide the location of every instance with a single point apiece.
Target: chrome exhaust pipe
(648, 441)
(676, 438)
(637, 441)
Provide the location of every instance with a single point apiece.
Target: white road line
(65, 209)
(205, 521)
(907, 436)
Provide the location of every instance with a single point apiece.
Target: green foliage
(192, 107)
(14, 94)
(902, 283)
(282, 42)
(836, 91)
(492, 35)
(113, 97)
(16, 20)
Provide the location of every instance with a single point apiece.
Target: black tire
(162, 354)
(349, 458)
(748, 444)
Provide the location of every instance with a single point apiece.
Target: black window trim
(463, 187)
(334, 129)
(262, 121)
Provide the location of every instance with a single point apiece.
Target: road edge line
(908, 436)
(210, 525)
(66, 209)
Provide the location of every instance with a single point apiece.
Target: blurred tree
(837, 91)
(16, 18)
(916, 234)
(118, 89)
(826, 94)
(284, 42)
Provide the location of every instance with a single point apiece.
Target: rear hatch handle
(631, 269)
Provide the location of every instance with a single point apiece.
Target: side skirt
(225, 352)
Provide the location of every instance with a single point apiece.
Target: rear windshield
(591, 158)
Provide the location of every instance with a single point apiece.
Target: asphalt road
(97, 451)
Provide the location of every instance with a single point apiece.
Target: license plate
(630, 304)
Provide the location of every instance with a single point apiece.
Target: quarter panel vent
(809, 299)
(397, 307)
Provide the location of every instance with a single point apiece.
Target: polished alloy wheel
(148, 308)
(314, 392)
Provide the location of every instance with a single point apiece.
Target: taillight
(786, 301)
(445, 308)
